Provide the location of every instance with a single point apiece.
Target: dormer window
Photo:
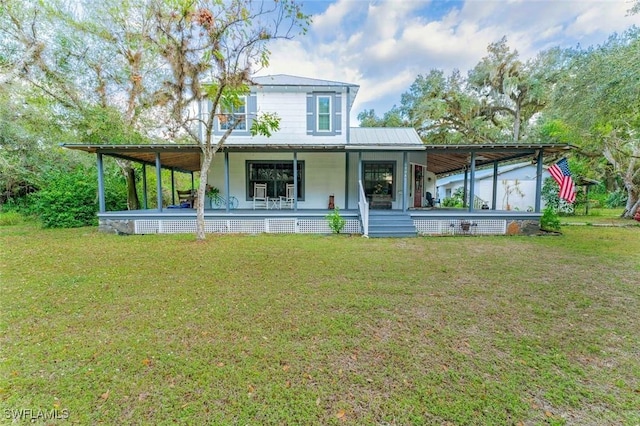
(323, 109)
(228, 118)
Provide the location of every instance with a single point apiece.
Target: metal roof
(441, 159)
(392, 138)
(283, 81)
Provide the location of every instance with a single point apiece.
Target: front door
(417, 185)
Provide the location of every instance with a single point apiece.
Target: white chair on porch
(260, 199)
(286, 202)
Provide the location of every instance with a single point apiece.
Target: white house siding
(413, 157)
(291, 107)
(324, 175)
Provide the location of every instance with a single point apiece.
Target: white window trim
(246, 115)
(329, 130)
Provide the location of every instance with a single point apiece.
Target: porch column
(226, 179)
(193, 182)
(359, 174)
(173, 187)
(472, 182)
(159, 181)
(464, 188)
(346, 181)
(295, 181)
(494, 197)
(145, 199)
(101, 203)
(539, 181)
(405, 174)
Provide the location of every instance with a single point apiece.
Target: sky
(383, 45)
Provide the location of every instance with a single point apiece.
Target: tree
(511, 91)
(597, 99)
(494, 103)
(392, 118)
(211, 48)
(91, 59)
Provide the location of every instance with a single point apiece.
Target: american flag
(561, 174)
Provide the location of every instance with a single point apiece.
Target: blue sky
(383, 45)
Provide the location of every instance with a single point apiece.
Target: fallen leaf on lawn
(287, 384)
(340, 414)
(146, 362)
(105, 395)
(285, 368)
(221, 364)
(548, 413)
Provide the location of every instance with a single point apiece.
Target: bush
(617, 198)
(549, 220)
(336, 221)
(69, 200)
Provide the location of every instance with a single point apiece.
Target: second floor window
(239, 113)
(324, 113)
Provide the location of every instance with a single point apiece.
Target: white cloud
(383, 45)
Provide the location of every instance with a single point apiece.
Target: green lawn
(293, 329)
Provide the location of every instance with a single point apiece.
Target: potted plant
(212, 193)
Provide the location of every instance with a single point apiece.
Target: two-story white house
(318, 160)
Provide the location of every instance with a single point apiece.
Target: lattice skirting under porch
(460, 227)
(243, 226)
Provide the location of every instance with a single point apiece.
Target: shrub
(549, 220)
(617, 198)
(69, 200)
(336, 221)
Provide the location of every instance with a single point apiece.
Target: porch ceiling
(447, 159)
(441, 159)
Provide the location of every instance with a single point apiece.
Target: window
(228, 118)
(378, 178)
(276, 174)
(324, 113)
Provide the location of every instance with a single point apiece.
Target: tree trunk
(133, 201)
(208, 153)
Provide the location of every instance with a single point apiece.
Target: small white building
(515, 190)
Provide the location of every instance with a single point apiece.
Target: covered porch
(414, 170)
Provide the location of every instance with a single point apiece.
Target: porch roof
(441, 159)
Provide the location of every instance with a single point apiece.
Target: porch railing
(363, 207)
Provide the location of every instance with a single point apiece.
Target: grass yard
(294, 329)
